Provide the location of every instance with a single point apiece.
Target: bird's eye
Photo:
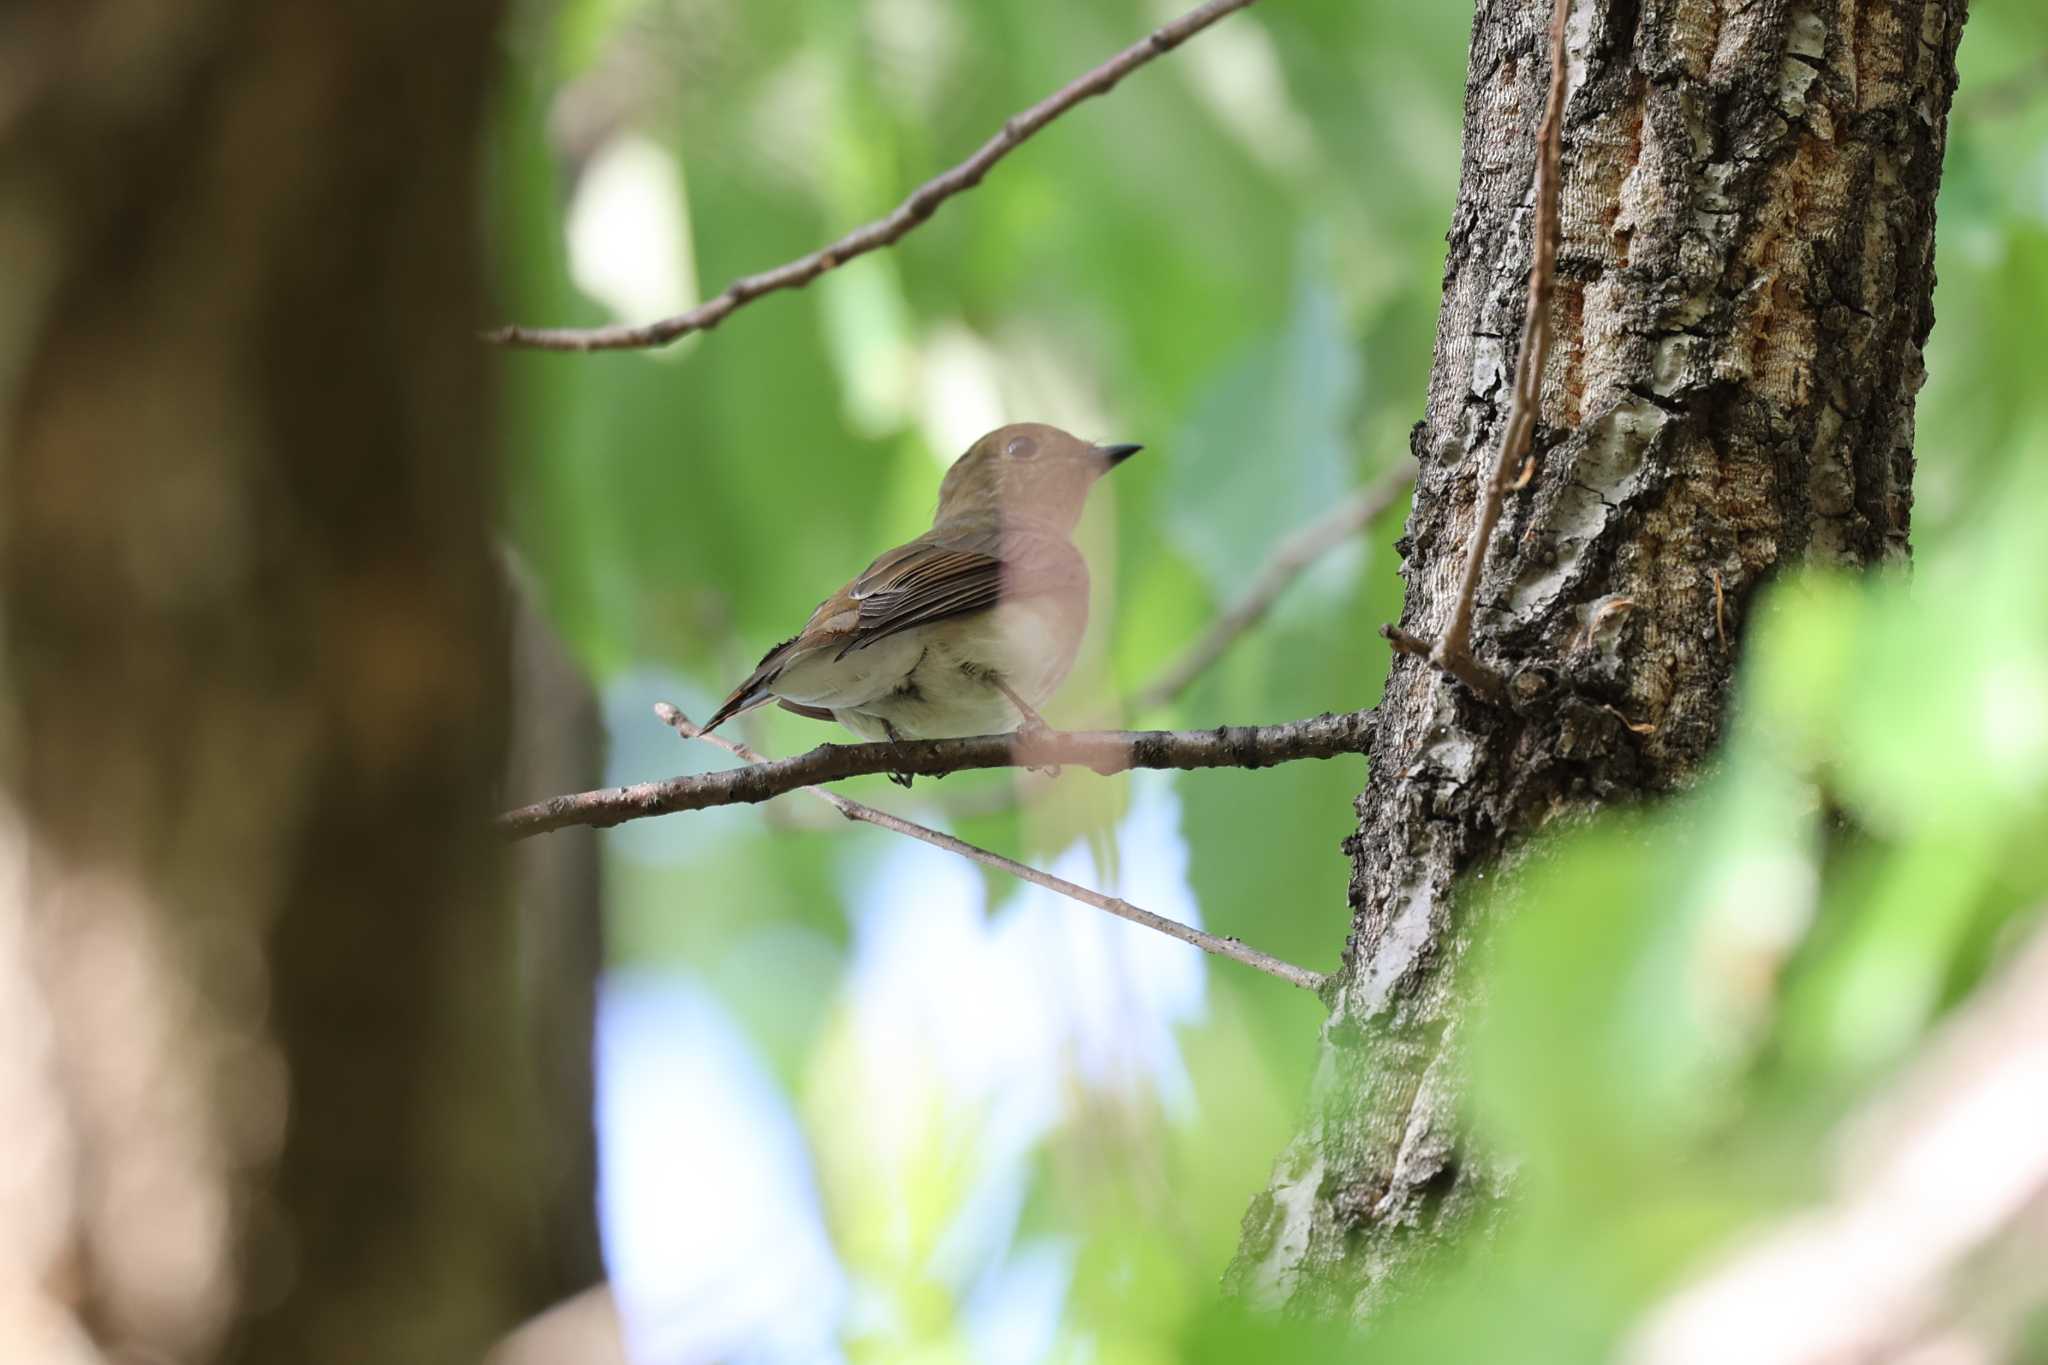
(1021, 448)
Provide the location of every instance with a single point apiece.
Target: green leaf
(1266, 450)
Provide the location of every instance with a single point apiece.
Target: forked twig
(853, 810)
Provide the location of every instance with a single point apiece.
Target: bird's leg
(900, 779)
(1033, 724)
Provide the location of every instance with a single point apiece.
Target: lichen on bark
(1744, 287)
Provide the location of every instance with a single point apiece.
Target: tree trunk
(558, 745)
(255, 666)
(1744, 288)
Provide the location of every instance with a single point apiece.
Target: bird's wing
(923, 582)
(940, 575)
(943, 574)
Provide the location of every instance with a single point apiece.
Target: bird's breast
(1030, 642)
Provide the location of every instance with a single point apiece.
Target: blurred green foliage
(1682, 1002)
(1235, 259)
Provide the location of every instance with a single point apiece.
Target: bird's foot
(1031, 727)
(1028, 719)
(1035, 731)
(902, 780)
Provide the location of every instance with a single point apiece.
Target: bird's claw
(1034, 730)
(902, 779)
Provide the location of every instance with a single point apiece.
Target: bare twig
(1105, 751)
(1286, 563)
(1122, 909)
(923, 201)
(1452, 651)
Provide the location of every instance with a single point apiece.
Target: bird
(969, 628)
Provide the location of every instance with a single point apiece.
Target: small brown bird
(967, 629)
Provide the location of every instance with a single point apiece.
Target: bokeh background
(859, 1100)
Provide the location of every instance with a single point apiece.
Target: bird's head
(1027, 471)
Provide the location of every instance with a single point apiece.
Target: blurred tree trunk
(1744, 290)
(558, 745)
(255, 665)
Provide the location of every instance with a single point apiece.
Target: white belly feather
(933, 681)
(819, 678)
(1030, 642)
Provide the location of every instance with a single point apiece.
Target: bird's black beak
(1116, 455)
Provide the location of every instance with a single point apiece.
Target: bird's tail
(738, 703)
(754, 691)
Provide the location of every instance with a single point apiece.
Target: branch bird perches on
(1104, 751)
(1115, 905)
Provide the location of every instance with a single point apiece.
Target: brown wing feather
(942, 574)
(929, 583)
(954, 571)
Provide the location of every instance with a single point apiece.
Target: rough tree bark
(1744, 289)
(254, 678)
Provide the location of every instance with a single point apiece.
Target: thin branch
(1286, 563)
(1452, 651)
(921, 204)
(1105, 751)
(1312, 982)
